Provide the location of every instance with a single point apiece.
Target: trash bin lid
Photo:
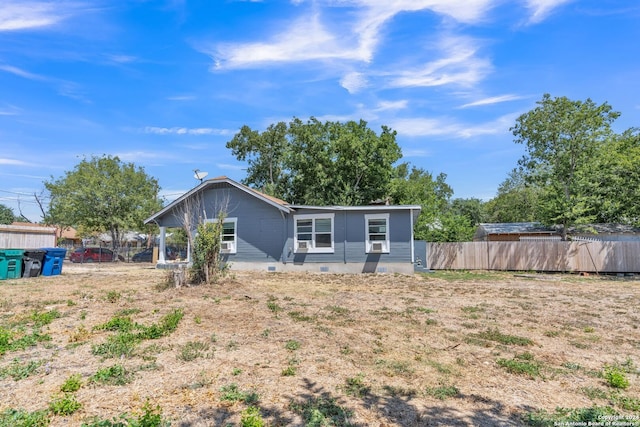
(11, 252)
(59, 252)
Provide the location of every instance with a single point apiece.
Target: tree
(415, 186)
(317, 163)
(561, 138)
(613, 180)
(6, 215)
(516, 201)
(103, 194)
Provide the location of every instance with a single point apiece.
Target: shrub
(616, 377)
(251, 417)
(65, 404)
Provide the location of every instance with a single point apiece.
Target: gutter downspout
(413, 255)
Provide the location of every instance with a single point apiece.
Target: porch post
(162, 250)
(188, 252)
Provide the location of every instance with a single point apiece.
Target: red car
(92, 255)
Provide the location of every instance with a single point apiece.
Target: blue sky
(165, 84)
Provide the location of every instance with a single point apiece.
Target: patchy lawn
(102, 344)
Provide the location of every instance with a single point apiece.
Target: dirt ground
(390, 350)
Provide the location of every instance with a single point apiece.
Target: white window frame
(368, 244)
(311, 244)
(233, 245)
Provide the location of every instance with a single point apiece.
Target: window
(229, 237)
(377, 233)
(314, 233)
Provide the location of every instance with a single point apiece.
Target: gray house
(261, 232)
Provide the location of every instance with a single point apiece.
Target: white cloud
(12, 162)
(451, 128)
(24, 15)
(416, 153)
(356, 40)
(491, 100)
(21, 73)
(540, 9)
(392, 105)
(354, 82)
(460, 65)
(185, 131)
(181, 98)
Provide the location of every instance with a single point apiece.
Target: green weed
(112, 375)
(321, 411)
(19, 370)
(521, 367)
(292, 345)
(564, 416)
(193, 350)
(231, 393)
(442, 392)
(21, 418)
(493, 334)
(299, 316)
(72, 384)
(251, 417)
(615, 377)
(64, 404)
(355, 386)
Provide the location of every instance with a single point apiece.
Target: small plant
(299, 316)
(356, 387)
(564, 416)
(442, 392)
(72, 384)
(22, 418)
(616, 377)
(44, 318)
(236, 372)
(193, 350)
(197, 320)
(113, 296)
(497, 336)
(232, 345)
(231, 393)
(112, 375)
(251, 417)
(521, 367)
(292, 345)
(289, 371)
(321, 411)
(266, 333)
(65, 404)
(19, 371)
(273, 306)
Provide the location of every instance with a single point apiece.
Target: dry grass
(389, 350)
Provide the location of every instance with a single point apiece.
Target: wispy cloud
(308, 38)
(9, 110)
(540, 9)
(491, 100)
(181, 98)
(185, 131)
(354, 82)
(18, 15)
(416, 153)
(22, 73)
(451, 128)
(459, 65)
(12, 162)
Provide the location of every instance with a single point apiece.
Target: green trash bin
(10, 263)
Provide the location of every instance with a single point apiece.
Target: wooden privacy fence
(592, 256)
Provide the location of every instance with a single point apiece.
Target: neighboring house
(519, 231)
(265, 233)
(514, 232)
(26, 235)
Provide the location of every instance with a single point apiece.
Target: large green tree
(318, 163)
(561, 138)
(103, 194)
(612, 180)
(516, 200)
(6, 215)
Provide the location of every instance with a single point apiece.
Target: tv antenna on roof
(200, 175)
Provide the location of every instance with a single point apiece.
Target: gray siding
(349, 239)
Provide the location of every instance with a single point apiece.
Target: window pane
(304, 225)
(377, 237)
(304, 236)
(228, 228)
(323, 225)
(323, 240)
(228, 238)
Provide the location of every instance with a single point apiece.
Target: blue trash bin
(53, 259)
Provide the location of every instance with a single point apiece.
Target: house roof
(515, 228)
(273, 201)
